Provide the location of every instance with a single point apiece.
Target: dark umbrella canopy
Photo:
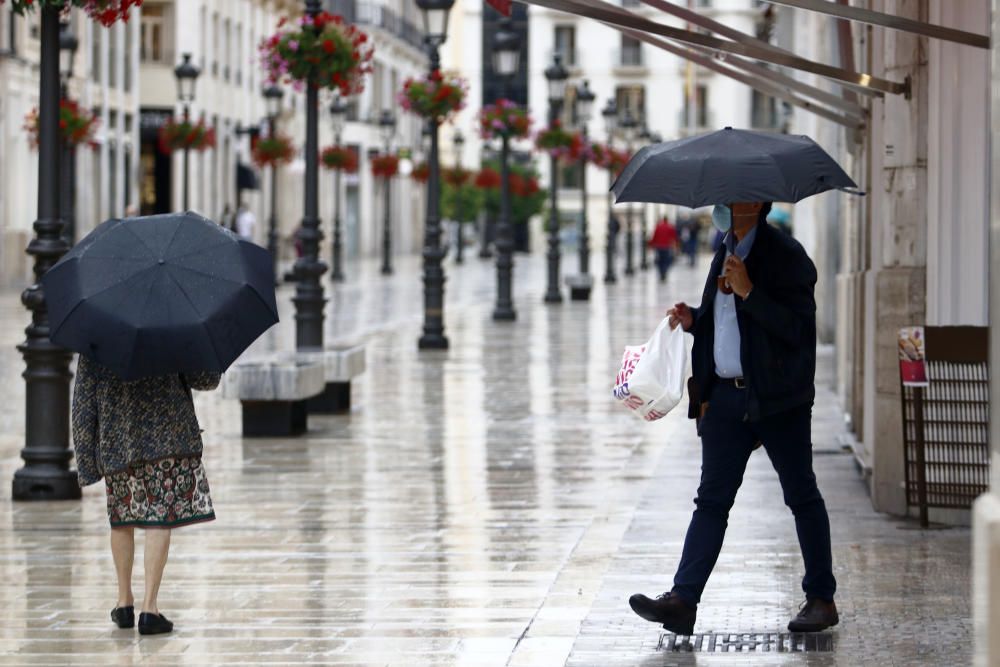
(162, 294)
(729, 166)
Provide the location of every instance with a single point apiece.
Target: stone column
(986, 511)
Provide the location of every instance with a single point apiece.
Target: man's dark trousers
(727, 442)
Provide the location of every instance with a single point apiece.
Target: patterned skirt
(169, 493)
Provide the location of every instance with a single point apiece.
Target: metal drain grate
(747, 642)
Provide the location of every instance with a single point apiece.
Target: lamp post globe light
(583, 103)
(309, 300)
(387, 128)
(645, 137)
(610, 115)
(273, 96)
(68, 44)
(186, 74)
(556, 76)
(338, 118)
(435, 19)
(629, 126)
(46, 474)
(458, 141)
(506, 61)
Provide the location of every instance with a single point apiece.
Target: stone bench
(274, 391)
(340, 364)
(580, 286)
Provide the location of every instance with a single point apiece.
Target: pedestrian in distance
(142, 437)
(688, 229)
(754, 364)
(664, 244)
(246, 221)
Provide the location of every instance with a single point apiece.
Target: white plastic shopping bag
(651, 380)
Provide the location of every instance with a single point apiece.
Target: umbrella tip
(728, 127)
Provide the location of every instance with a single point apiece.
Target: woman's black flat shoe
(154, 624)
(123, 617)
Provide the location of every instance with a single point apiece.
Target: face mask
(722, 218)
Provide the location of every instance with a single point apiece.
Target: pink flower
(293, 45)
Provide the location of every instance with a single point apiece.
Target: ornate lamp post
(46, 474)
(629, 125)
(556, 76)
(506, 61)
(68, 44)
(435, 18)
(338, 116)
(583, 106)
(646, 137)
(458, 141)
(272, 99)
(308, 299)
(186, 74)
(610, 115)
(387, 128)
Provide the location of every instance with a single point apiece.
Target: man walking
(754, 364)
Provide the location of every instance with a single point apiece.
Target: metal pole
(584, 237)
(272, 224)
(309, 300)
(552, 294)
(187, 116)
(46, 474)
(387, 230)
(504, 310)
(336, 273)
(433, 336)
(643, 230)
(610, 250)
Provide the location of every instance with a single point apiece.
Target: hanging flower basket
(559, 143)
(609, 157)
(272, 151)
(523, 186)
(339, 158)
(456, 176)
(505, 118)
(385, 166)
(324, 51)
(106, 12)
(76, 124)
(176, 136)
(436, 96)
(487, 179)
(421, 172)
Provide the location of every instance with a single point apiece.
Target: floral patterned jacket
(118, 425)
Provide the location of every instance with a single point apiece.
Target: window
(565, 44)
(113, 33)
(632, 98)
(631, 52)
(215, 44)
(96, 37)
(154, 39)
(203, 29)
(128, 57)
(764, 112)
(227, 47)
(238, 65)
(701, 105)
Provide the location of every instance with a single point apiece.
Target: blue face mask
(722, 218)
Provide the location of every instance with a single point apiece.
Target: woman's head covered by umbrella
(739, 216)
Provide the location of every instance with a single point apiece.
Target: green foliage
(461, 203)
(527, 198)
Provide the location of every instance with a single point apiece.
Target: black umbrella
(162, 294)
(729, 166)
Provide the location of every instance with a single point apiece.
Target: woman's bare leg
(154, 559)
(123, 551)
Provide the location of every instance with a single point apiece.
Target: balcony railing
(370, 14)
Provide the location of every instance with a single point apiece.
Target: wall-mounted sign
(912, 357)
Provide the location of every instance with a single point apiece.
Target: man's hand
(735, 273)
(681, 314)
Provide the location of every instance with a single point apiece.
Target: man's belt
(739, 383)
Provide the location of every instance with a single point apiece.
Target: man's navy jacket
(777, 324)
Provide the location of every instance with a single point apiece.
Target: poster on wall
(912, 357)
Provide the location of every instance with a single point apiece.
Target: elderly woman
(143, 438)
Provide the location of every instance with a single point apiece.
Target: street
(488, 505)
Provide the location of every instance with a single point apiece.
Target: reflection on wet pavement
(490, 505)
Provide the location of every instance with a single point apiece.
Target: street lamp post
(338, 115)
(435, 18)
(583, 106)
(645, 136)
(628, 123)
(309, 299)
(272, 99)
(186, 74)
(68, 44)
(46, 474)
(610, 115)
(556, 76)
(387, 127)
(506, 61)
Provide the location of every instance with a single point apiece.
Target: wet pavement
(489, 505)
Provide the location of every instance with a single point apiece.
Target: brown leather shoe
(666, 609)
(815, 616)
